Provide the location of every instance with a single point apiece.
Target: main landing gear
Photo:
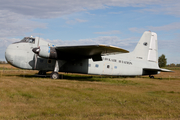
(151, 76)
(55, 75)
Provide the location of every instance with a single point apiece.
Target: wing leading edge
(87, 51)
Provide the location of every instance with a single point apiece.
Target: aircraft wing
(87, 51)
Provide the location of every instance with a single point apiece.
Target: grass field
(84, 97)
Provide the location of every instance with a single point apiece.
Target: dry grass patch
(84, 97)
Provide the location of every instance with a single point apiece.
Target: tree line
(173, 65)
(3, 62)
(163, 62)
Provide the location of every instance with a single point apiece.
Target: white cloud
(75, 21)
(97, 26)
(171, 45)
(138, 30)
(6, 41)
(168, 7)
(13, 24)
(56, 8)
(128, 43)
(115, 12)
(16, 16)
(16, 19)
(172, 26)
(80, 20)
(109, 32)
(171, 49)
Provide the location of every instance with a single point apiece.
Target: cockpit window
(28, 40)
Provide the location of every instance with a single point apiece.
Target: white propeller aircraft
(36, 54)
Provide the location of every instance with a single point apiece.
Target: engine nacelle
(47, 52)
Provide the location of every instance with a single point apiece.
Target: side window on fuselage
(96, 65)
(31, 40)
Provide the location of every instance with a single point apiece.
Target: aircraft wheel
(152, 77)
(41, 72)
(54, 75)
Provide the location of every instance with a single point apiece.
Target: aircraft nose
(9, 54)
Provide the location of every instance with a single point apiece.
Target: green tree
(172, 65)
(177, 65)
(162, 61)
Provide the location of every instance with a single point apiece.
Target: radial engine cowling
(46, 52)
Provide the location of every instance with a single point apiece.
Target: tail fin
(147, 47)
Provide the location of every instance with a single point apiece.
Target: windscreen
(28, 40)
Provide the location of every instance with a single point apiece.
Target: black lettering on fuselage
(115, 60)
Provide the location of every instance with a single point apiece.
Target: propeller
(36, 51)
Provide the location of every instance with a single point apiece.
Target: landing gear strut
(151, 76)
(55, 75)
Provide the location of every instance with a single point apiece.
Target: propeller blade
(35, 60)
(38, 42)
(36, 51)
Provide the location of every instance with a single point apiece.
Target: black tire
(54, 75)
(41, 72)
(152, 77)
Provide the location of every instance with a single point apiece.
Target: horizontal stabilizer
(160, 70)
(166, 70)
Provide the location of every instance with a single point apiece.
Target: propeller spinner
(36, 50)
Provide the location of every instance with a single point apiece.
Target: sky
(119, 23)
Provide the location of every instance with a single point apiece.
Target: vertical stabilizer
(147, 48)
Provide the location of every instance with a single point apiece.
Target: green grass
(173, 68)
(111, 79)
(84, 97)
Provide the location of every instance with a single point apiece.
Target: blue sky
(113, 22)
